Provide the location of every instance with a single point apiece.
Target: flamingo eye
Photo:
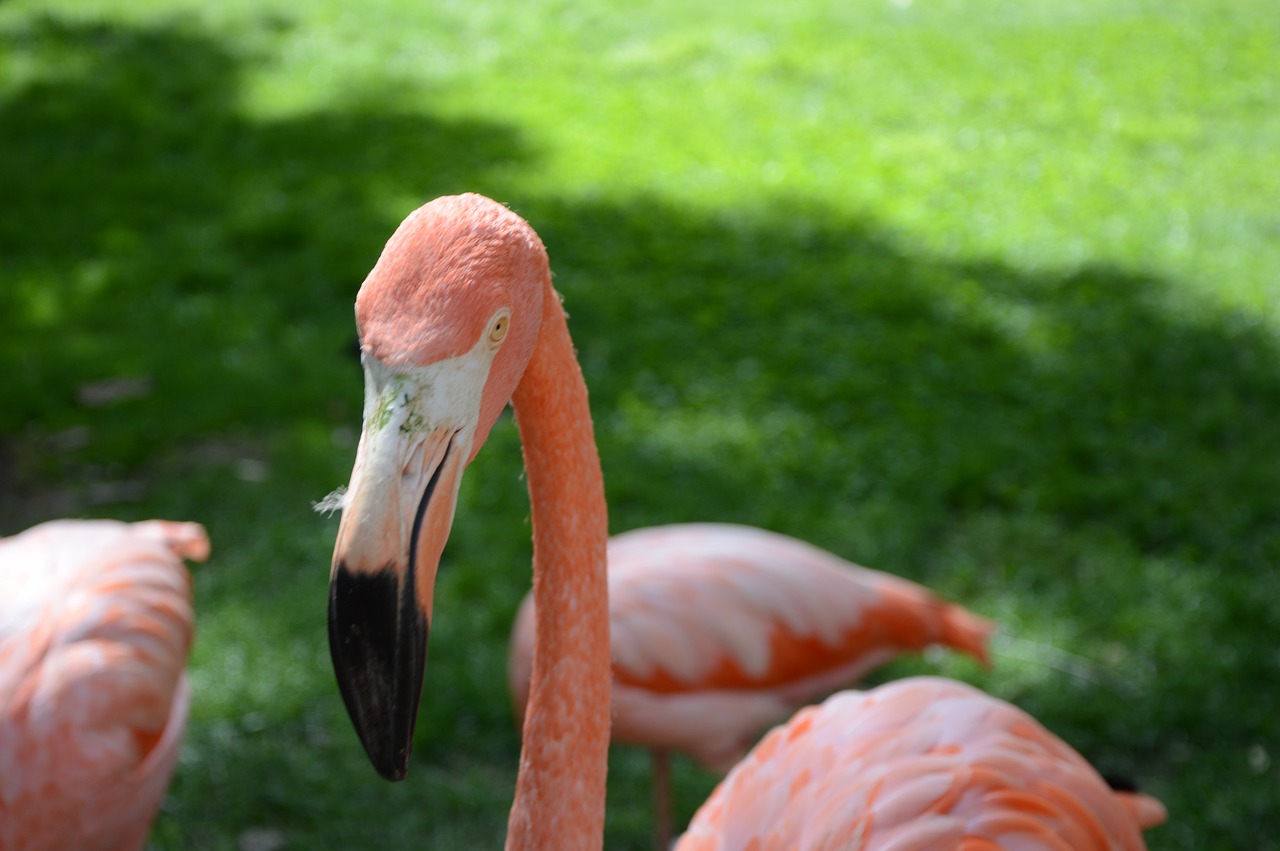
(498, 327)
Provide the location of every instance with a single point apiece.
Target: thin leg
(661, 800)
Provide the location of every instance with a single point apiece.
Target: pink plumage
(921, 763)
(95, 627)
(720, 631)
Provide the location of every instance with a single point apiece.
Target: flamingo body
(95, 627)
(719, 631)
(920, 763)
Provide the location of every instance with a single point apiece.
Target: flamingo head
(448, 320)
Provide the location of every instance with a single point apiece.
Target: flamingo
(917, 764)
(457, 317)
(95, 626)
(719, 631)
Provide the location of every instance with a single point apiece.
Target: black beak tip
(378, 641)
(389, 767)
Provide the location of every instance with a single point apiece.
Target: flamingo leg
(661, 799)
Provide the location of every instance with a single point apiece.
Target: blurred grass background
(982, 293)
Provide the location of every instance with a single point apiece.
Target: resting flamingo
(95, 626)
(719, 631)
(457, 317)
(920, 763)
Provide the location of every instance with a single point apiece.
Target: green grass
(980, 293)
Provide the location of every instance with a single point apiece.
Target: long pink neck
(560, 791)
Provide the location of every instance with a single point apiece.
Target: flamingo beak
(395, 521)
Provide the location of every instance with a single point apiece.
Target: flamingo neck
(560, 790)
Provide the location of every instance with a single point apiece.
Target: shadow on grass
(1096, 445)
(152, 230)
(1095, 395)
(1090, 446)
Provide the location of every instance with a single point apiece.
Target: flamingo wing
(95, 627)
(720, 630)
(916, 764)
(719, 606)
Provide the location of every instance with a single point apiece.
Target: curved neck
(560, 790)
